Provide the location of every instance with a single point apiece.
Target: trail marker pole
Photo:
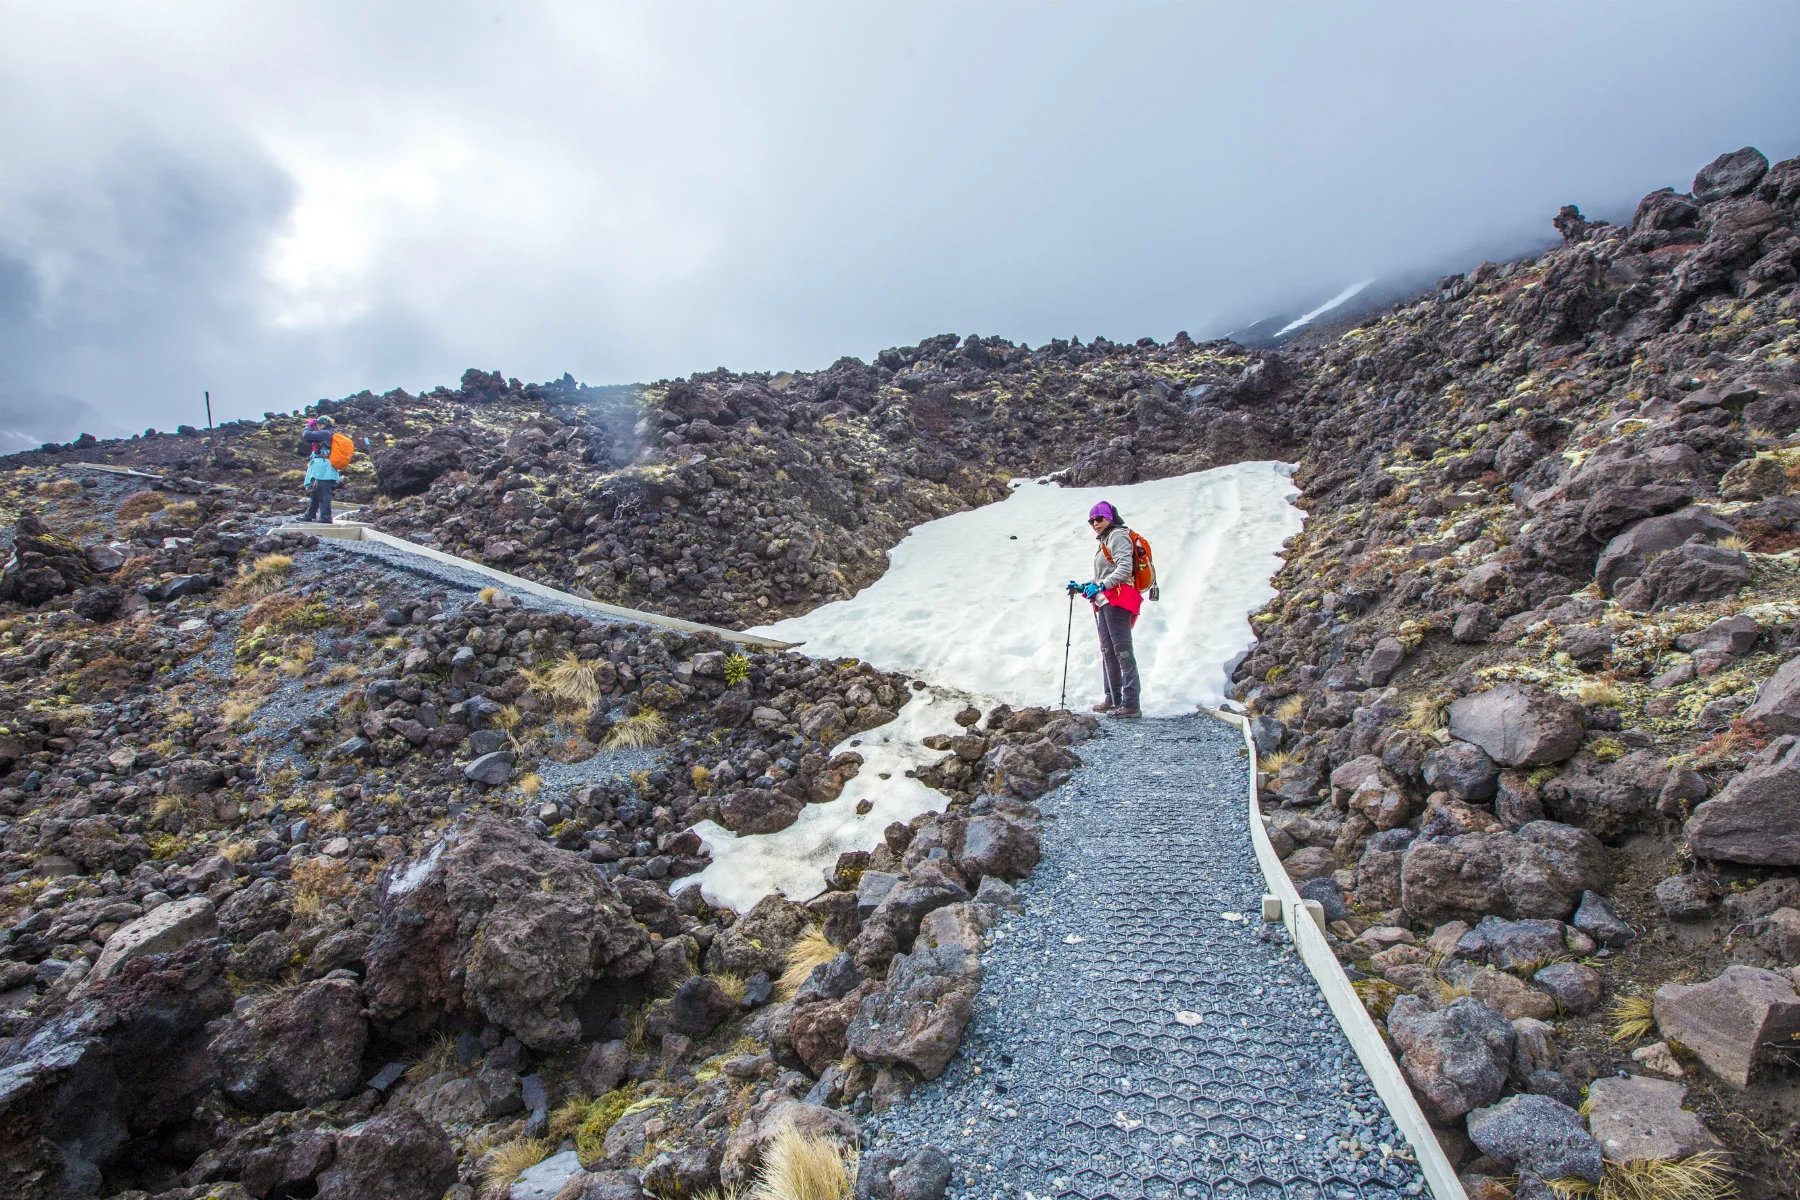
(1068, 640)
(208, 396)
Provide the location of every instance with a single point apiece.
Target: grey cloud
(633, 193)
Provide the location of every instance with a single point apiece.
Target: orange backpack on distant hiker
(1143, 571)
(343, 450)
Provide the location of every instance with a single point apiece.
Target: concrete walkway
(1140, 1031)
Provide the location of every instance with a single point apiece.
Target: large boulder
(43, 565)
(1733, 174)
(496, 923)
(1539, 871)
(1777, 707)
(1686, 575)
(295, 1048)
(998, 846)
(1539, 1136)
(1456, 1057)
(1626, 556)
(395, 1156)
(1734, 1023)
(163, 929)
(918, 1018)
(1755, 819)
(125, 1061)
(1639, 1119)
(1518, 726)
(410, 467)
(1463, 770)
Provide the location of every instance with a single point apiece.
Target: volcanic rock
(496, 923)
(1732, 1022)
(1639, 1119)
(1755, 819)
(1518, 726)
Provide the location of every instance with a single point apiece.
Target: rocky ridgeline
(1529, 689)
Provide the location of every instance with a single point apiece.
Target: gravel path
(1140, 1032)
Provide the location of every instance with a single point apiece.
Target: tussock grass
(1289, 710)
(1734, 541)
(259, 578)
(237, 710)
(438, 1056)
(489, 594)
(59, 489)
(507, 1161)
(812, 951)
(1704, 1176)
(1427, 714)
(1631, 1018)
(530, 784)
(798, 1166)
(1277, 762)
(732, 984)
(588, 1120)
(569, 681)
(1600, 693)
(139, 505)
(639, 731)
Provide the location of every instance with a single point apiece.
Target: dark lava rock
(492, 922)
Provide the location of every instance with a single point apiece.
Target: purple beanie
(1103, 509)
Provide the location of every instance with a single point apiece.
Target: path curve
(1077, 1077)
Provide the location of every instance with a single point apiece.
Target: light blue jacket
(319, 467)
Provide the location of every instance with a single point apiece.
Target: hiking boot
(1105, 706)
(1126, 712)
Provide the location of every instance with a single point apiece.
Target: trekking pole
(1068, 640)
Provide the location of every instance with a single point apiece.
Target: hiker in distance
(1117, 600)
(321, 477)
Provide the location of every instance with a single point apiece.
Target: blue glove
(1090, 590)
(1073, 587)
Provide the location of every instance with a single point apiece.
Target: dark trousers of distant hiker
(320, 508)
(1117, 662)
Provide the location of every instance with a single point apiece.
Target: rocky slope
(1526, 696)
(1530, 679)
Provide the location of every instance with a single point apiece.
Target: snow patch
(794, 861)
(1341, 298)
(975, 600)
(974, 604)
(416, 874)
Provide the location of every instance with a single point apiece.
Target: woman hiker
(321, 477)
(1116, 604)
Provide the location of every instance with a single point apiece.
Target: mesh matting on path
(1140, 1031)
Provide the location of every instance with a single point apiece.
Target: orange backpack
(342, 450)
(1143, 571)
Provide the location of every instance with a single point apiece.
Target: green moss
(166, 845)
(1607, 749)
(602, 1114)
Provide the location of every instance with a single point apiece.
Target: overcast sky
(282, 201)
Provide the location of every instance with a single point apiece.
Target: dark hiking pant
(320, 508)
(1117, 661)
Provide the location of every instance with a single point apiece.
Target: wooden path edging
(353, 531)
(1305, 924)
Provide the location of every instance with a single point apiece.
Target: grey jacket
(1111, 574)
